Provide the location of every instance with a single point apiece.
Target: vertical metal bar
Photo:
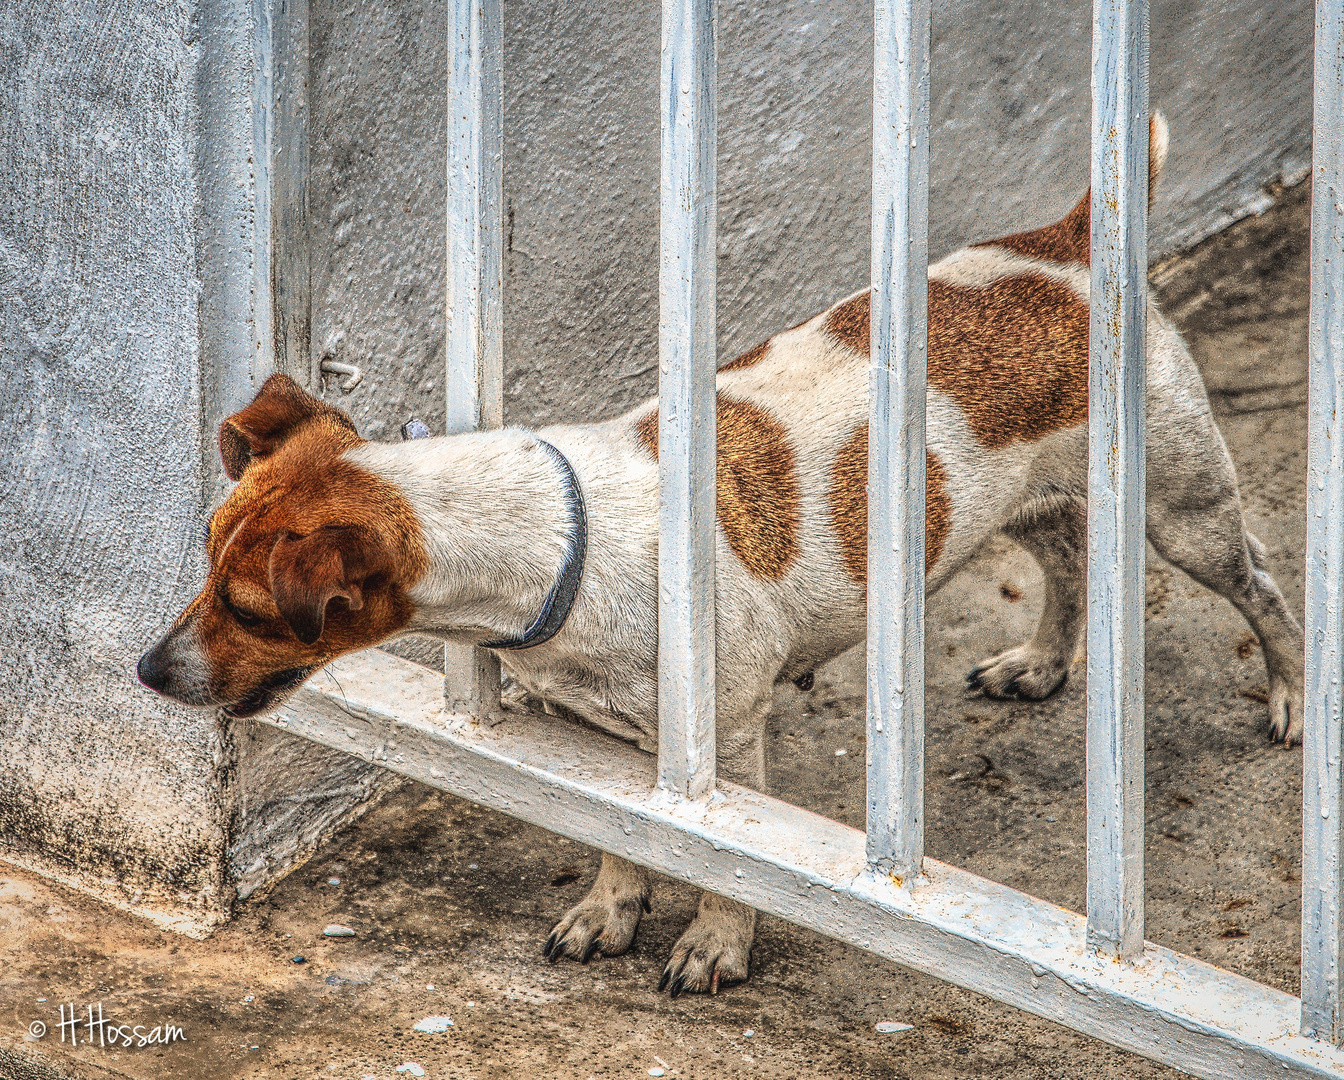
(291, 278)
(686, 397)
(264, 313)
(475, 350)
(1115, 480)
(896, 462)
(1323, 742)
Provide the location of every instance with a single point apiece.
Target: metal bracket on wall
(332, 366)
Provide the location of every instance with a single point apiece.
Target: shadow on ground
(450, 903)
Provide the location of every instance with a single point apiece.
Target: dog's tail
(1069, 240)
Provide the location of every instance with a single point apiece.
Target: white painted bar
(1115, 480)
(811, 871)
(1323, 742)
(686, 419)
(475, 347)
(280, 157)
(896, 465)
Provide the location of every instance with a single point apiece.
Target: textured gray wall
(127, 325)
(100, 486)
(1010, 107)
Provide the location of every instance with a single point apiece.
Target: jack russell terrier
(544, 545)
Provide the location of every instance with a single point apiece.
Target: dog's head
(310, 557)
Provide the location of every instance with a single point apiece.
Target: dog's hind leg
(605, 921)
(1057, 540)
(1195, 523)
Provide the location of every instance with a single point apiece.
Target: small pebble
(891, 1027)
(333, 881)
(471, 1004)
(655, 1071)
(248, 1000)
(336, 930)
(1052, 819)
(412, 1068)
(298, 960)
(748, 1033)
(841, 753)
(472, 866)
(41, 1000)
(434, 1025)
(430, 986)
(254, 1047)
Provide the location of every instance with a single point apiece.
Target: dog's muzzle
(175, 668)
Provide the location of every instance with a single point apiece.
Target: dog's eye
(247, 618)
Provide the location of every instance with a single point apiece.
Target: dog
(329, 543)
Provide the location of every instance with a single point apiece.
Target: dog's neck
(496, 522)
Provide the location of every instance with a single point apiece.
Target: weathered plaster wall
(128, 323)
(100, 489)
(1010, 106)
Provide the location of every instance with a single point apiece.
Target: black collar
(560, 600)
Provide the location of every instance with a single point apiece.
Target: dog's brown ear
(308, 572)
(278, 410)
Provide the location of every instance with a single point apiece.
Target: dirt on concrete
(449, 903)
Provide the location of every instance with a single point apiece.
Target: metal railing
(878, 890)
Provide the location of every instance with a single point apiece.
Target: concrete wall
(134, 308)
(1010, 104)
(127, 325)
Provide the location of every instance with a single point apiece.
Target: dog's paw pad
(1021, 673)
(1285, 713)
(595, 928)
(705, 958)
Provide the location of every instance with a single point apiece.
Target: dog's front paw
(1285, 712)
(596, 928)
(712, 953)
(1023, 672)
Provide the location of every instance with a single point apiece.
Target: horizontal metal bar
(1115, 480)
(898, 329)
(686, 409)
(811, 871)
(1322, 764)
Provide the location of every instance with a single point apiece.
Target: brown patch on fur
(849, 505)
(310, 556)
(847, 322)
(1069, 240)
(752, 356)
(1012, 354)
(757, 501)
(280, 408)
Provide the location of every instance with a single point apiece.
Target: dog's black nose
(152, 671)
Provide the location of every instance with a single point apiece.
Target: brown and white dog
(330, 543)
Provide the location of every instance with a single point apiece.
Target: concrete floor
(443, 894)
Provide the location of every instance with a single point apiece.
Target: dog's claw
(644, 902)
(589, 952)
(678, 984)
(667, 978)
